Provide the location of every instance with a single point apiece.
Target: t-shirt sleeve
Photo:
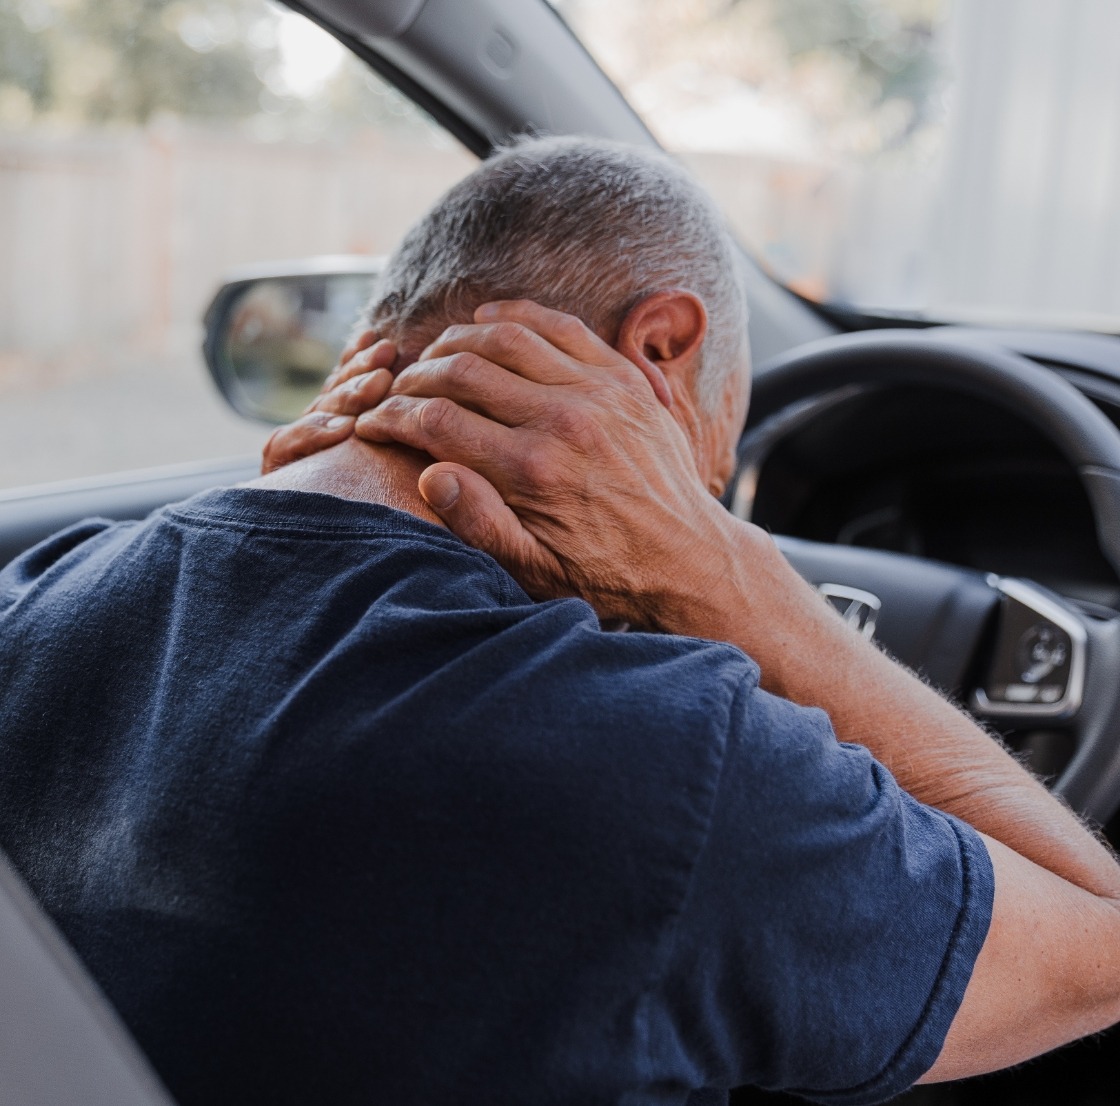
(832, 921)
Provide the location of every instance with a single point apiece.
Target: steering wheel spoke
(1036, 666)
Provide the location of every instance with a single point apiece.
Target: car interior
(953, 488)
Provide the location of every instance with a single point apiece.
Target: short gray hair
(580, 225)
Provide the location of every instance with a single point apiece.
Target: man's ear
(662, 334)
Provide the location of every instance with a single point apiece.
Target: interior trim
(451, 121)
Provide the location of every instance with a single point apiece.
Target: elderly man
(336, 812)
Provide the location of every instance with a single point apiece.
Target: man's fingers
(477, 384)
(309, 434)
(356, 386)
(570, 335)
(344, 359)
(471, 508)
(448, 432)
(543, 346)
(514, 347)
(566, 332)
(365, 356)
(356, 394)
(358, 341)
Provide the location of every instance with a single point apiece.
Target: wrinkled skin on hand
(555, 454)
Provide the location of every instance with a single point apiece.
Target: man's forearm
(809, 655)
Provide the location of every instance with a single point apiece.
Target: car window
(146, 148)
(950, 159)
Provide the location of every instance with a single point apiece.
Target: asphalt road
(155, 411)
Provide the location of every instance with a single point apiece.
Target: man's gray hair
(580, 225)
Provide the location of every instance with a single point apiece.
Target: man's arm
(1049, 971)
(557, 459)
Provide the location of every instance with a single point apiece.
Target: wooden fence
(114, 241)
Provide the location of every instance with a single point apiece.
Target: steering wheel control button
(1041, 649)
(1036, 669)
(1038, 661)
(858, 608)
(1016, 693)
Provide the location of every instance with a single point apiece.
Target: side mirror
(274, 332)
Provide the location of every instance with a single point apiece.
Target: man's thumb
(470, 507)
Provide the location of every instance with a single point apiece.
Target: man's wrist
(704, 588)
(734, 585)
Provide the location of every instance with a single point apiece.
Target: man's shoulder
(435, 598)
(678, 684)
(359, 620)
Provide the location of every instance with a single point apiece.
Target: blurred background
(951, 160)
(947, 159)
(146, 148)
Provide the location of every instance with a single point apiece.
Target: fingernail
(338, 422)
(442, 490)
(487, 311)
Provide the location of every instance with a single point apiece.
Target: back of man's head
(581, 225)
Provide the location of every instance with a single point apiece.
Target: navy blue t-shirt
(335, 813)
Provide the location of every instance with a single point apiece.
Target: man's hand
(361, 381)
(540, 426)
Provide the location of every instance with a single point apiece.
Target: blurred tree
(859, 77)
(889, 43)
(194, 58)
(24, 62)
(125, 61)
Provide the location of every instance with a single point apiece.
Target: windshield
(951, 161)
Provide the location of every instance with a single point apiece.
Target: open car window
(147, 148)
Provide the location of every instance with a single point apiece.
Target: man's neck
(385, 474)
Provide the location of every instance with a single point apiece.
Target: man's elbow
(1048, 974)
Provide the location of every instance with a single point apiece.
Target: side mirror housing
(274, 332)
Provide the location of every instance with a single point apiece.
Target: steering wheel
(1045, 663)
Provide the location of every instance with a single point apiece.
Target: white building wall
(1030, 213)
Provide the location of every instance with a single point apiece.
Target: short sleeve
(831, 925)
